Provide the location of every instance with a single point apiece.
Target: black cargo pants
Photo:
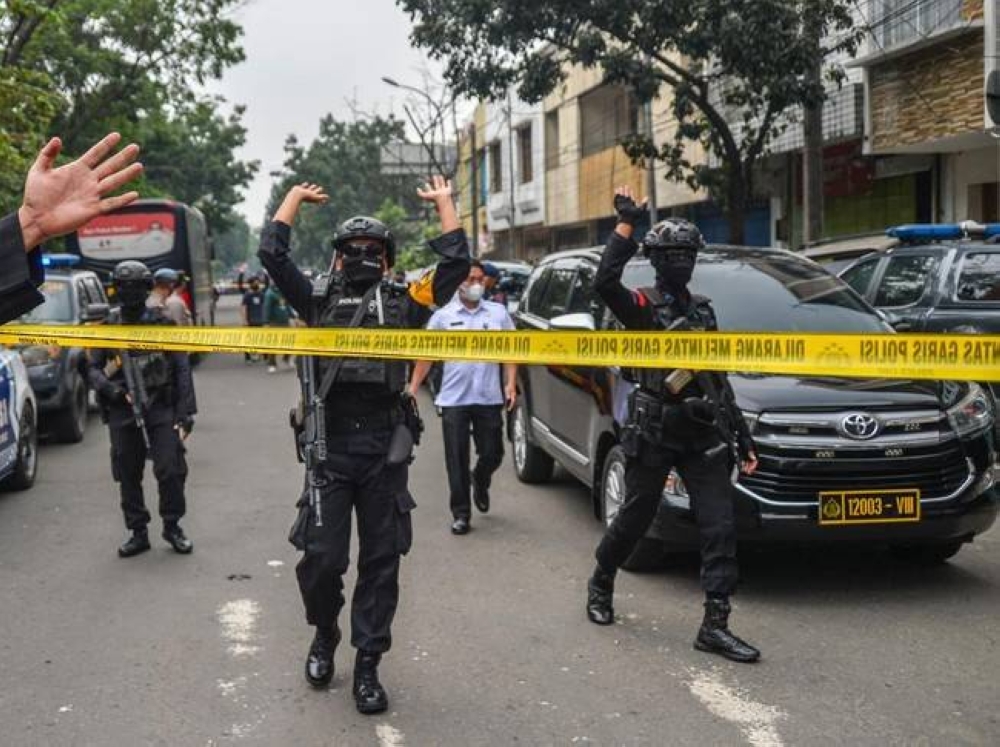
(128, 461)
(706, 477)
(379, 495)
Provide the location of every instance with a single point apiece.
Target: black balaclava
(132, 297)
(361, 269)
(674, 267)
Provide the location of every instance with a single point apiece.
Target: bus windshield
(128, 235)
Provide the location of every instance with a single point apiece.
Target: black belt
(382, 420)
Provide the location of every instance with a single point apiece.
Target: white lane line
(756, 721)
(389, 736)
(239, 626)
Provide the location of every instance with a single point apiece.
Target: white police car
(18, 424)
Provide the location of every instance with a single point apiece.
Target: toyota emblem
(859, 426)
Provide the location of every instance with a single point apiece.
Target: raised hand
(58, 201)
(438, 190)
(308, 192)
(628, 211)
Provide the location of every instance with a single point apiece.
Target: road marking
(756, 721)
(389, 736)
(239, 626)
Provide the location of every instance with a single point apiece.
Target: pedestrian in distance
(252, 311)
(58, 201)
(356, 428)
(147, 400)
(678, 419)
(164, 298)
(471, 396)
(276, 314)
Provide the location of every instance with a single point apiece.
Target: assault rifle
(136, 393)
(312, 438)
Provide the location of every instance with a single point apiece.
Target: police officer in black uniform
(364, 406)
(678, 419)
(147, 400)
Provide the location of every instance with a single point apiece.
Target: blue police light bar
(944, 231)
(60, 260)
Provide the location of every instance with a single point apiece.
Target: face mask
(132, 298)
(362, 270)
(674, 267)
(473, 293)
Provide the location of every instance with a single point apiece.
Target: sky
(307, 58)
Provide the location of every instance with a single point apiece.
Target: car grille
(804, 454)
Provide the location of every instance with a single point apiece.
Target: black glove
(628, 212)
(186, 424)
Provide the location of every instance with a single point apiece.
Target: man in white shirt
(471, 396)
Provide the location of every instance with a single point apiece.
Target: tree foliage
(733, 68)
(131, 66)
(235, 245)
(345, 160)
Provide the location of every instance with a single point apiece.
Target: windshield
(120, 236)
(58, 306)
(771, 292)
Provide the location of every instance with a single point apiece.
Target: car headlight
(973, 413)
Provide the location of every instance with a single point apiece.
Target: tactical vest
(335, 307)
(674, 385)
(154, 366)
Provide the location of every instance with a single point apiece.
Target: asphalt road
(491, 643)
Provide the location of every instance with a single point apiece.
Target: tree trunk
(737, 195)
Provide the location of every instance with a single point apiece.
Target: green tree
(127, 65)
(26, 99)
(733, 68)
(412, 233)
(345, 160)
(235, 245)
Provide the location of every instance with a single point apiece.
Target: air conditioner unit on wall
(991, 60)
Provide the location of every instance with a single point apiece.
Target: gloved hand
(185, 425)
(628, 211)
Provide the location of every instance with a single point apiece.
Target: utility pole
(650, 166)
(812, 151)
(474, 187)
(510, 146)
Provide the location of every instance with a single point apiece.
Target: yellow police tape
(894, 356)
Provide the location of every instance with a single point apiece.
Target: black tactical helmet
(363, 227)
(132, 272)
(673, 233)
(133, 281)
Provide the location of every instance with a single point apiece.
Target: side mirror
(574, 322)
(95, 312)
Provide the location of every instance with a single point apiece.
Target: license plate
(840, 507)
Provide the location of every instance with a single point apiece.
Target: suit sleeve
(449, 273)
(275, 255)
(20, 273)
(629, 307)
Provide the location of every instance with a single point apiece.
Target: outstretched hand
(58, 201)
(438, 190)
(312, 193)
(628, 211)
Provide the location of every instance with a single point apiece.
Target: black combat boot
(319, 663)
(600, 594)
(137, 542)
(369, 695)
(176, 538)
(716, 638)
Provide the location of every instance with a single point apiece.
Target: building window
(897, 22)
(496, 168)
(552, 139)
(524, 153)
(607, 115)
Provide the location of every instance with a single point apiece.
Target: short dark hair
(476, 263)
